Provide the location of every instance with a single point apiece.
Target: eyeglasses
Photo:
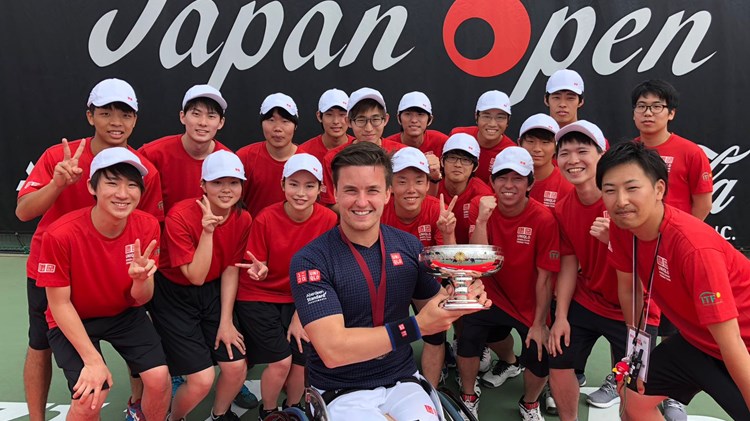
(655, 108)
(374, 120)
(486, 118)
(452, 159)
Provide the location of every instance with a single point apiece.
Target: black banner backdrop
(55, 51)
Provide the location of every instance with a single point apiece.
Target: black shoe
(227, 416)
(263, 413)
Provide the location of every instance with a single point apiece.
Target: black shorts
(679, 370)
(586, 327)
(37, 300)
(187, 318)
(666, 327)
(130, 333)
(265, 327)
(494, 325)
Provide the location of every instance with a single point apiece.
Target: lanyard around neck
(636, 283)
(377, 296)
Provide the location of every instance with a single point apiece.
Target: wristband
(403, 332)
(434, 181)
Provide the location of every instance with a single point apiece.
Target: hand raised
(256, 270)
(486, 205)
(67, 171)
(209, 220)
(446, 223)
(600, 229)
(142, 267)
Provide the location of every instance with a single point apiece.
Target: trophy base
(463, 305)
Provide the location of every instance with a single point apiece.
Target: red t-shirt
(316, 148)
(689, 171)
(263, 173)
(699, 279)
(274, 239)
(596, 284)
(486, 155)
(461, 209)
(74, 254)
(424, 227)
(77, 195)
(529, 241)
(433, 142)
(551, 190)
(326, 190)
(180, 173)
(182, 231)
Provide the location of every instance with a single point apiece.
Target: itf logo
(709, 298)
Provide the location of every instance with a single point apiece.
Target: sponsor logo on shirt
(605, 214)
(467, 206)
(396, 259)
(46, 268)
(554, 255)
(709, 298)
(663, 268)
(706, 176)
(668, 160)
(523, 235)
(316, 297)
(430, 410)
(301, 277)
(313, 275)
(550, 198)
(492, 162)
(425, 233)
(129, 253)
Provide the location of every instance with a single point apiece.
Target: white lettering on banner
(722, 195)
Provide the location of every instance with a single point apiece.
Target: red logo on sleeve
(402, 329)
(429, 409)
(301, 277)
(46, 268)
(396, 259)
(313, 275)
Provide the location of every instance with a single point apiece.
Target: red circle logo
(509, 22)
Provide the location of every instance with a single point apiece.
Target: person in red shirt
(538, 137)
(564, 96)
(332, 117)
(521, 291)
(265, 306)
(492, 117)
(690, 183)
(587, 305)
(696, 277)
(53, 189)
(414, 117)
(412, 210)
(193, 304)
(367, 116)
(94, 243)
(264, 161)
(179, 157)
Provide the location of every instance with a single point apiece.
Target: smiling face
(201, 123)
(113, 124)
(369, 132)
(492, 125)
(633, 200)
(563, 106)
(361, 194)
(511, 189)
(577, 160)
(414, 121)
(223, 193)
(333, 122)
(117, 193)
(409, 190)
(301, 189)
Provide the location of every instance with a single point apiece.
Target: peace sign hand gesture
(142, 267)
(209, 221)
(256, 270)
(67, 171)
(446, 223)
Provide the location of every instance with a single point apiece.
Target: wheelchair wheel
(466, 414)
(296, 414)
(278, 416)
(316, 406)
(451, 411)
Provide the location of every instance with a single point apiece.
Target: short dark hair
(209, 103)
(660, 88)
(282, 112)
(121, 169)
(636, 153)
(362, 154)
(365, 104)
(529, 178)
(539, 134)
(121, 106)
(547, 94)
(579, 138)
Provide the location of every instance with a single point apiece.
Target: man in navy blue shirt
(352, 287)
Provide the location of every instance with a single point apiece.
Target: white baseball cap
(493, 100)
(365, 93)
(222, 164)
(415, 99)
(303, 162)
(279, 100)
(587, 128)
(514, 158)
(539, 121)
(113, 90)
(204, 91)
(462, 142)
(565, 80)
(333, 98)
(116, 155)
(410, 157)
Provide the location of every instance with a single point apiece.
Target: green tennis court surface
(496, 404)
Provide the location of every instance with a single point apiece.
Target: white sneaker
(674, 410)
(472, 404)
(606, 395)
(477, 389)
(500, 373)
(485, 362)
(533, 414)
(550, 406)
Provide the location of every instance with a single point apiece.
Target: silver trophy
(460, 264)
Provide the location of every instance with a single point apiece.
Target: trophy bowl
(459, 264)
